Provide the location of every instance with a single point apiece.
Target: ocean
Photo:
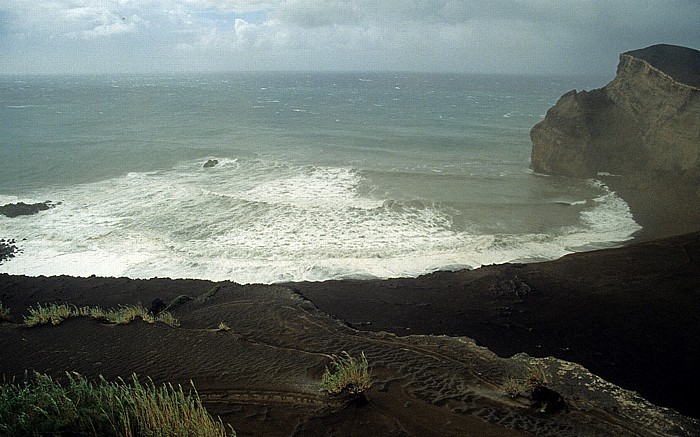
(319, 176)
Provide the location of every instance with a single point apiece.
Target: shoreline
(458, 247)
(627, 314)
(663, 208)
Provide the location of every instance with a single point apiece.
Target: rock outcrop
(8, 249)
(211, 163)
(646, 121)
(17, 209)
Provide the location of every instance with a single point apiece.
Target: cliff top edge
(681, 63)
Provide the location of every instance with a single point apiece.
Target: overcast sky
(508, 36)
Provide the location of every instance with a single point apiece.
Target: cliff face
(646, 121)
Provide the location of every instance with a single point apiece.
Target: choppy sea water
(320, 176)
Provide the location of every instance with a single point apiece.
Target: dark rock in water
(211, 163)
(547, 400)
(647, 120)
(8, 249)
(16, 209)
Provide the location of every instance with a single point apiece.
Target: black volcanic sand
(663, 207)
(630, 315)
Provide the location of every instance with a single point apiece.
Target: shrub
(81, 407)
(348, 375)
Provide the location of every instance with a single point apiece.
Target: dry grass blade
(43, 406)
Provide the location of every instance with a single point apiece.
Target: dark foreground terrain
(629, 315)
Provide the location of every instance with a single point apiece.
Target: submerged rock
(211, 163)
(8, 249)
(16, 209)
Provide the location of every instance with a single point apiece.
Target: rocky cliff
(646, 121)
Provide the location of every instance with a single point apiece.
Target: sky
(473, 36)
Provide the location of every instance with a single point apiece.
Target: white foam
(331, 187)
(260, 221)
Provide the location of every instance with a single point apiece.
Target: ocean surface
(320, 176)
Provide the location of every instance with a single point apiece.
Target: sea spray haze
(320, 176)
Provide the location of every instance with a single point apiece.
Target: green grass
(56, 313)
(348, 375)
(43, 315)
(4, 314)
(81, 407)
(168, 319)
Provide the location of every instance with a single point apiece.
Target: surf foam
(262, 221)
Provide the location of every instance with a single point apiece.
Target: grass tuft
(168, 319)
(515, 387)
(80, 407)
(536, 377)
(55, 314)
(126, 314)
(43, 315)
(347, 375)
(4, 314)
